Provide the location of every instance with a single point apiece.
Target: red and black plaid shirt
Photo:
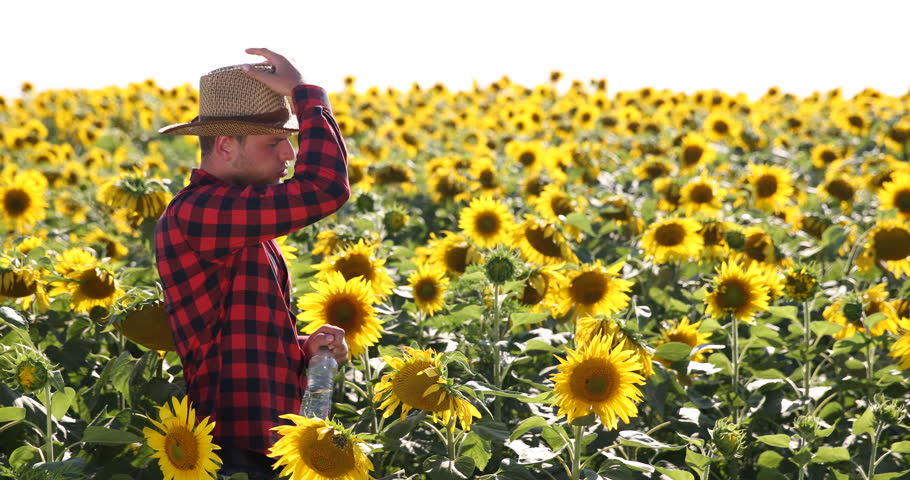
(226, 284)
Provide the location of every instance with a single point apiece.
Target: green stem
(420, 318)
(368, 374)
(872, 464)
(49, 427)
(497, 361)
(576, 452)
(807, 360)
(450, 438)
(735, 354)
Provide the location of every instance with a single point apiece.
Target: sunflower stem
(735, 354)
(872, 463)
(49, 426)
(368, 373)
(450, 439)
(807, 359)
(497, 366)
(576, 452)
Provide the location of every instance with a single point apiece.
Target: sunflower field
(536, 282)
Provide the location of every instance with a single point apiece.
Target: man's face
(262, 159)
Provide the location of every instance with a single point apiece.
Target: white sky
(736, 46)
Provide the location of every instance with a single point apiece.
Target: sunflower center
(721, 127)
(488, 179)
(903, 308)
(543, 243)
(27, 377)
(594, 380)
(343, 312)
(732, 295)
(355, 174)
(329, 460)
(856, 121)
(701, 193)
(426, 290)
(561, 205)
(670, 235)
(588, 288)
(692, 154)
(828, 156)
(766, 186)
(527, 158)
(20, 285)
(181, 448)
(16, 202)
(758, 247)
(713, 233)
(840, 190)
(410, 386)
(900, 135)
(892, 244)
(354, 266)
(535, 289)
(902, 201)
(656, 170)
(487, 223)
(97, 284)
(457, 258)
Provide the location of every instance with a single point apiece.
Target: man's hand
(327, 335)
(285, 77)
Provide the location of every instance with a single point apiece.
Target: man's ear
(225, 147)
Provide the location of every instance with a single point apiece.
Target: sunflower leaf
(675, 474)
(528, 424)
(639, 439)
(673, 351)
(61, 401)
(872, 320)
(519, 319)
(580, 221)
(631, 464)
(530, 455)
(789, 312)
(865, 423)
(11, 414)
(831, 455)
(109, 436)
(477, 448)
(821, 328)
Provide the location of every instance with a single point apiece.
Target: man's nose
(287, 151)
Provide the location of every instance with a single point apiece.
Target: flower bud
(500, 268)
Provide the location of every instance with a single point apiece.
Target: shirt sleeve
(219, 219)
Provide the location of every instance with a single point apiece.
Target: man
(226, 283)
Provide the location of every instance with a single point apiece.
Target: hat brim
(229, 128)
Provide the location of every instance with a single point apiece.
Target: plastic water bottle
(317, 399)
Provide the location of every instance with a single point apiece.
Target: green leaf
(721, 361)
(801, 458)
(821, 328)
(638, 439)
(23, 456)
(61, 401)
(584, 421)
(789, 312)
(770, 459)
(488, 390)
(469, 312)
(555, 436)
(12, 317)
(849, 344)
(675, 474)
(581, 221)
(109, 436)
(779, 440)
(477, 448)
(831, 455)
(673, 351)
(865, 423)
(529, 455)
(519, 319)
(490, 430)
(527, 425)
(540, 345)
(890, 475)
(900, 447)
(11, 414)
(697, 462)
(834, 236)
(872, 320)
(631, 464)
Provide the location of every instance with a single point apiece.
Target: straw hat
(233, 104)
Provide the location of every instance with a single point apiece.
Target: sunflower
(842, 188)
(22, 201)
(453, 252)
(874, 300)
(90, 287)
(673, 240)
(428, 285)
(343, 303)
(146, 323)
(541, 290)
(528, 154)
(714, 237)
(720, 126)
(184, 450)
(896, 194)
(554, 204)
(587, 328)
(824, 155)
(771, 186)
(759, 247)
(111, 247)
(800, 284)
(686, 332)
(448, 184)
(653, 168)
(316, 449)
(486, 178)
(418, 381)
(140, 196)
(600, 378)
(694, 151)
(358, 261)
(738, 291)
(900, 349)
(541, 243)
(358, 176)
(23, 282)
(702, 195)
(594, 290)
(888, 242)
(486, 221)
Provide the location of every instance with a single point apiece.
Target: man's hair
(206, 144)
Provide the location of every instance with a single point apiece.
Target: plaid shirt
(226, 283)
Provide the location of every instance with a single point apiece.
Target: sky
(684, 45)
